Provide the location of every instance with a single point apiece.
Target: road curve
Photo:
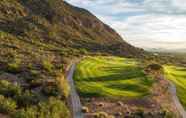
(74, 97)
(177, 103)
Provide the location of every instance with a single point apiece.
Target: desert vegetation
(19, 103)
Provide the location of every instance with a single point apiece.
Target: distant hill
(181, 50)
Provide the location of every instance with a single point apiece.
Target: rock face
(61, 25)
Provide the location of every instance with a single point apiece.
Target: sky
(143, 23)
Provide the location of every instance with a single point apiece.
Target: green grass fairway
(111, 77)
(178, 76)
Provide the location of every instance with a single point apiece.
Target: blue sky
(143, 23)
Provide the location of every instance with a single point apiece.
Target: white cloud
(146, 23)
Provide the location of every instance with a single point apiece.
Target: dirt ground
(153, 106)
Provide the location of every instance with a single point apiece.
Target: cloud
(143, 23)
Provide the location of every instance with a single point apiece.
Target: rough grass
(178, 76)
(111, 77)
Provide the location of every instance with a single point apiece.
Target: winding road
(177, 103)
(74, 97)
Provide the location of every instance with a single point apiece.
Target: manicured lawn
(178, 76)
(111, 77)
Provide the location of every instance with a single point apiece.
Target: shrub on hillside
(155, 67)
(14, 67)
(27, 98)
(101, 115)
(47, 65)
(52, 108)
(8, 89)
(36, 83)
(50, 91)
(83, 51)
(7, 105)
(29, 112)
(63, 85)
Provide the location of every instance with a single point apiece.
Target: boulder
(101, 104)
(85, 109)
(120, 103)
(118, 114)
(101, 115)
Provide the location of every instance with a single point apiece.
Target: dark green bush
(30, 112)
(50, 90)
(155, 67)
(27, 98)
(8, 89)
(83, 51)
(52, 108)
(7, 105)
(47, 65)
(14, 67)
(36, 83)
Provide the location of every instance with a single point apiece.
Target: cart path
(74, 97)
(177, 103)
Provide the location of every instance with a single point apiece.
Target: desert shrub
(34, 73)
(50, 90)
(47, 65)
(63, 85)
(8, 89)
(139, 113)
(53, 108)
(29, 112)
(101, 115)
(36, 83)
(169, 114)
(83, 51)
(7, 105)
(14, 66)
(27, 98)
(155, 67)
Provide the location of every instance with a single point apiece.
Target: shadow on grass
(90, 94)
(128, 87)
(180, 69)
(178, 76)
(116, 73)
(181, 94)
(141, 88)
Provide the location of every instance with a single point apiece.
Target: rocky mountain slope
(60, 26)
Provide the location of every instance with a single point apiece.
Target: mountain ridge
(63, 25)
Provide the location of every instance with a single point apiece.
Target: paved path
(176, 100)
(74, 98)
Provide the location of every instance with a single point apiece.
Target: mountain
(37, 40)
(181, 50)
(61, 26)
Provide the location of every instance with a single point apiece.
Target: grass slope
(178, 76)
(111, 77)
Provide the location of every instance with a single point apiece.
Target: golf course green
(178, 76)
(111, 77)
